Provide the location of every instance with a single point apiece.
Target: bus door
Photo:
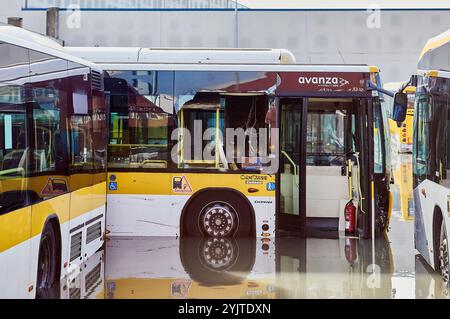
(323, 159)
(330, 144)
(291, 195)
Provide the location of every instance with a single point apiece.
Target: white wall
(10, 8)
(313, 36)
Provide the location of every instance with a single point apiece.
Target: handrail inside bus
(293, 164)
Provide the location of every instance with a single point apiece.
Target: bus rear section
(328, 122)
(52, 164)
(189, 153)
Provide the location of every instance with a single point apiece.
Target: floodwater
(288, 268)
(266, 268)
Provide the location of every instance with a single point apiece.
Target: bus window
(14, 67)
(81, 138)
(327, 142)
(439, 127)
(230, 110)
(99, 130)
(141, 105)
(378, 143)
(46, 127)
(13, 154)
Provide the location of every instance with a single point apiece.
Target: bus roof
(183, 55)
(34, 41)
(184, 59)
(434, 58)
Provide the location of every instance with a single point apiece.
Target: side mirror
(400, 107)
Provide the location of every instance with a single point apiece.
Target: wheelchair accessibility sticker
(180, 184)
(112, 186)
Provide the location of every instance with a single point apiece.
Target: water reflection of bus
(245, 268)
(89, 283)
(334, 268)
(403, 177)
(428, 282)
(52, 163)
(190, 268)
(326, 144)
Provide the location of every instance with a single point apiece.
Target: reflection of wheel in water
(217, 261)
(218, 219)
(443, 255)
(218, 253)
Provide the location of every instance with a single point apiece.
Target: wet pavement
(159, 267)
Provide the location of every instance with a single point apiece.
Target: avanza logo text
(323, 80)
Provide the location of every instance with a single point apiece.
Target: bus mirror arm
(372, 86)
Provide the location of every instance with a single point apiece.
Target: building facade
(389, 38)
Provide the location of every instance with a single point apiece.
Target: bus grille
(75, 246)
(94, 232)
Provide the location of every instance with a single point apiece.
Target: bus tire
(443, 255)
(218, 214)
(47, 262)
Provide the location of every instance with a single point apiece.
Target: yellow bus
(431, 165)
(53, 133)
(402, 135)
(306, 141)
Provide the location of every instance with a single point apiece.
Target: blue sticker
(270, 186)
(112, 186)
(112, 177)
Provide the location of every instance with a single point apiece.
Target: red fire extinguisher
(350, 218)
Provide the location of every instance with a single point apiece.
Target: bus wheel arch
(49, 258)
(202, 207)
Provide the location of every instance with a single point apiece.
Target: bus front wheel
(212, 214)
(47, 263)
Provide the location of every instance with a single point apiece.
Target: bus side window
(379, 150)
(14, 147)
(141, 109)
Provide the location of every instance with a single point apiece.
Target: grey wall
(313, 36)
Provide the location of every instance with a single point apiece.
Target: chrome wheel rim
(219, 220)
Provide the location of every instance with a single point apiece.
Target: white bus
(431, 161)
(328, 141)
(53, 133)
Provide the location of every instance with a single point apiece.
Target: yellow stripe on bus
(166, 183)
(86, 199)
(433, 44)
(15, 228)
(25, 223)
(40, 211)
